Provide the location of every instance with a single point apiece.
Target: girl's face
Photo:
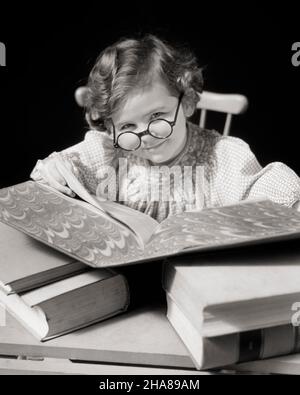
(143, 106)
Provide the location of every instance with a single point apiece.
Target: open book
(105, 233)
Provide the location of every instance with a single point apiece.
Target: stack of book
(51, 293)
(227, 304)
(237, 306)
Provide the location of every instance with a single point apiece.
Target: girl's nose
(147, 140)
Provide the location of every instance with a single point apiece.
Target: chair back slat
(230, 104)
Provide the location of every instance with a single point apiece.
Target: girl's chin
(159, 158)
(157, 155)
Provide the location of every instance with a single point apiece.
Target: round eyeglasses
(159, 128)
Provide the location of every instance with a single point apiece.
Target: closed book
(70, 304)
(221, 351)
(286, 364)
(26, 263)
(236, 291)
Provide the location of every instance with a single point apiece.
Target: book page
(33, 319)
(248, 222)
(141, 224)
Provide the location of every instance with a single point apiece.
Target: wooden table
(137, 342)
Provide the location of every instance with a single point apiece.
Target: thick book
(286, 364)
(70, 304)
(105, 233)
(237, 291)
(26, 263)
(221, 351)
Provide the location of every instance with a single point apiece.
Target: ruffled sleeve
(238, 176)
(89, 159)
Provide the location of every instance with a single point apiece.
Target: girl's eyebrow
(162, 108)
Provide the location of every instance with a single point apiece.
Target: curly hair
(135, 63)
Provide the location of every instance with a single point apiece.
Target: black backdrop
(50, 51)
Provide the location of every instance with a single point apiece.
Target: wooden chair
(230, 104)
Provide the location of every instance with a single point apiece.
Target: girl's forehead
(144, 100)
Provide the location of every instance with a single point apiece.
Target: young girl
(139, 96)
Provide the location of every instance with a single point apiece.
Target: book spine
(268, 343)
(249, 346)
(214, 352)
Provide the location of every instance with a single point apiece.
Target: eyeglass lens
(160, 129)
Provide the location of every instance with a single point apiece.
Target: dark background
(50, 51)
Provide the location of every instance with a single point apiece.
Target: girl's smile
(154, 146)
(145, 105)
